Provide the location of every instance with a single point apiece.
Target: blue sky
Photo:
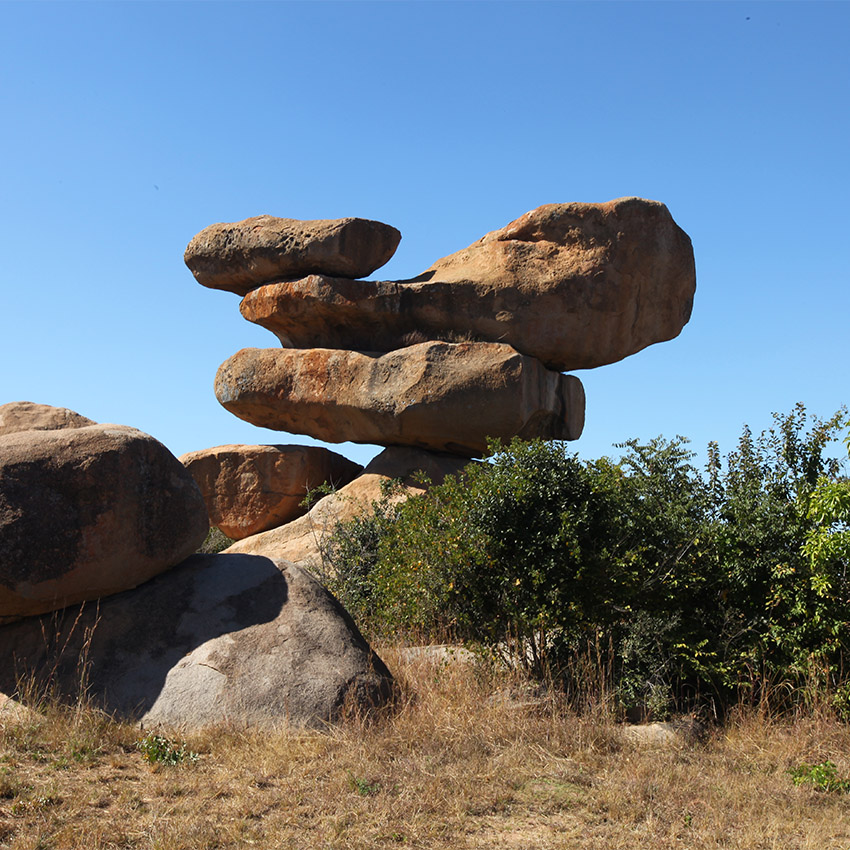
(129, 127)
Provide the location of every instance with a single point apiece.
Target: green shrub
(823, 777)
(157, 749)
(675, 588)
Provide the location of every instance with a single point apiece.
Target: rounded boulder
(88, 512)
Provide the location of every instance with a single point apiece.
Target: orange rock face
(301, 540)
(437, 396)
(249, 489)
(574, 285)
(241, 256)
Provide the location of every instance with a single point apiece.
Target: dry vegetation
(469, 759)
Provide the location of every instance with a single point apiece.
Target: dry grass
(467, 761)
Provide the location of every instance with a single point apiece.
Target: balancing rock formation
(472, 348)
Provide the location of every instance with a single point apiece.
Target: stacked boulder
(431, 367)
(472, 348)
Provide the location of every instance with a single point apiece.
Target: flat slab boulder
(28, 416)
(303, 539)
(87, 512)
(240, 256)
(438, 396)
(574, 285)
(249, 489)
(220, 639)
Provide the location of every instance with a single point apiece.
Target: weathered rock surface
(220, 638)
(249, 489)
(28, 416)
(574, 285)
(302, 539)
(87, 512)
(435, 395)
(240, 256)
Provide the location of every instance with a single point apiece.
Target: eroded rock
(237, 639)
(574, 285)
(249, 489)
(240, 256)
(437, 396)
(303, 539)
(87, 512)
(28, 416)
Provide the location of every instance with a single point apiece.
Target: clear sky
(129, 127)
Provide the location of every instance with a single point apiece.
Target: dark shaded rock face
(90, 511)
(220, 638)
(28, 416)
(240, 256)
(437, 396)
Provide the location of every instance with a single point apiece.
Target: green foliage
(823, 776)
(157, 749)
(215, 542)
(363, 787)
(680, 587)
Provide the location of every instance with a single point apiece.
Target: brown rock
(219, 639)
(90, 511)
(435, 395)
(301, 541)
(574, 285)
(249, 489)
(28, 416)
(241, 256)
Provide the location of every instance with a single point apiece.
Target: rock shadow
(118, 651)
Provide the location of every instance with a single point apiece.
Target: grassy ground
(467, 761)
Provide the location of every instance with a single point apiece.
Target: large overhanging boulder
(87, 512)
(237, 639)
(574, 285)
(435, 395)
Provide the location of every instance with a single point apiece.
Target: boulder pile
(472, 348)
(101, 594)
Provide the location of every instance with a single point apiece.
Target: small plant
(216, 541)
(157, 749)
(823, 776)
(362, 786)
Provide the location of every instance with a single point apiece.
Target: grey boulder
(237, 639)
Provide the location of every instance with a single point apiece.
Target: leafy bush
(675, 588)
(823, 776)
(216, 541)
